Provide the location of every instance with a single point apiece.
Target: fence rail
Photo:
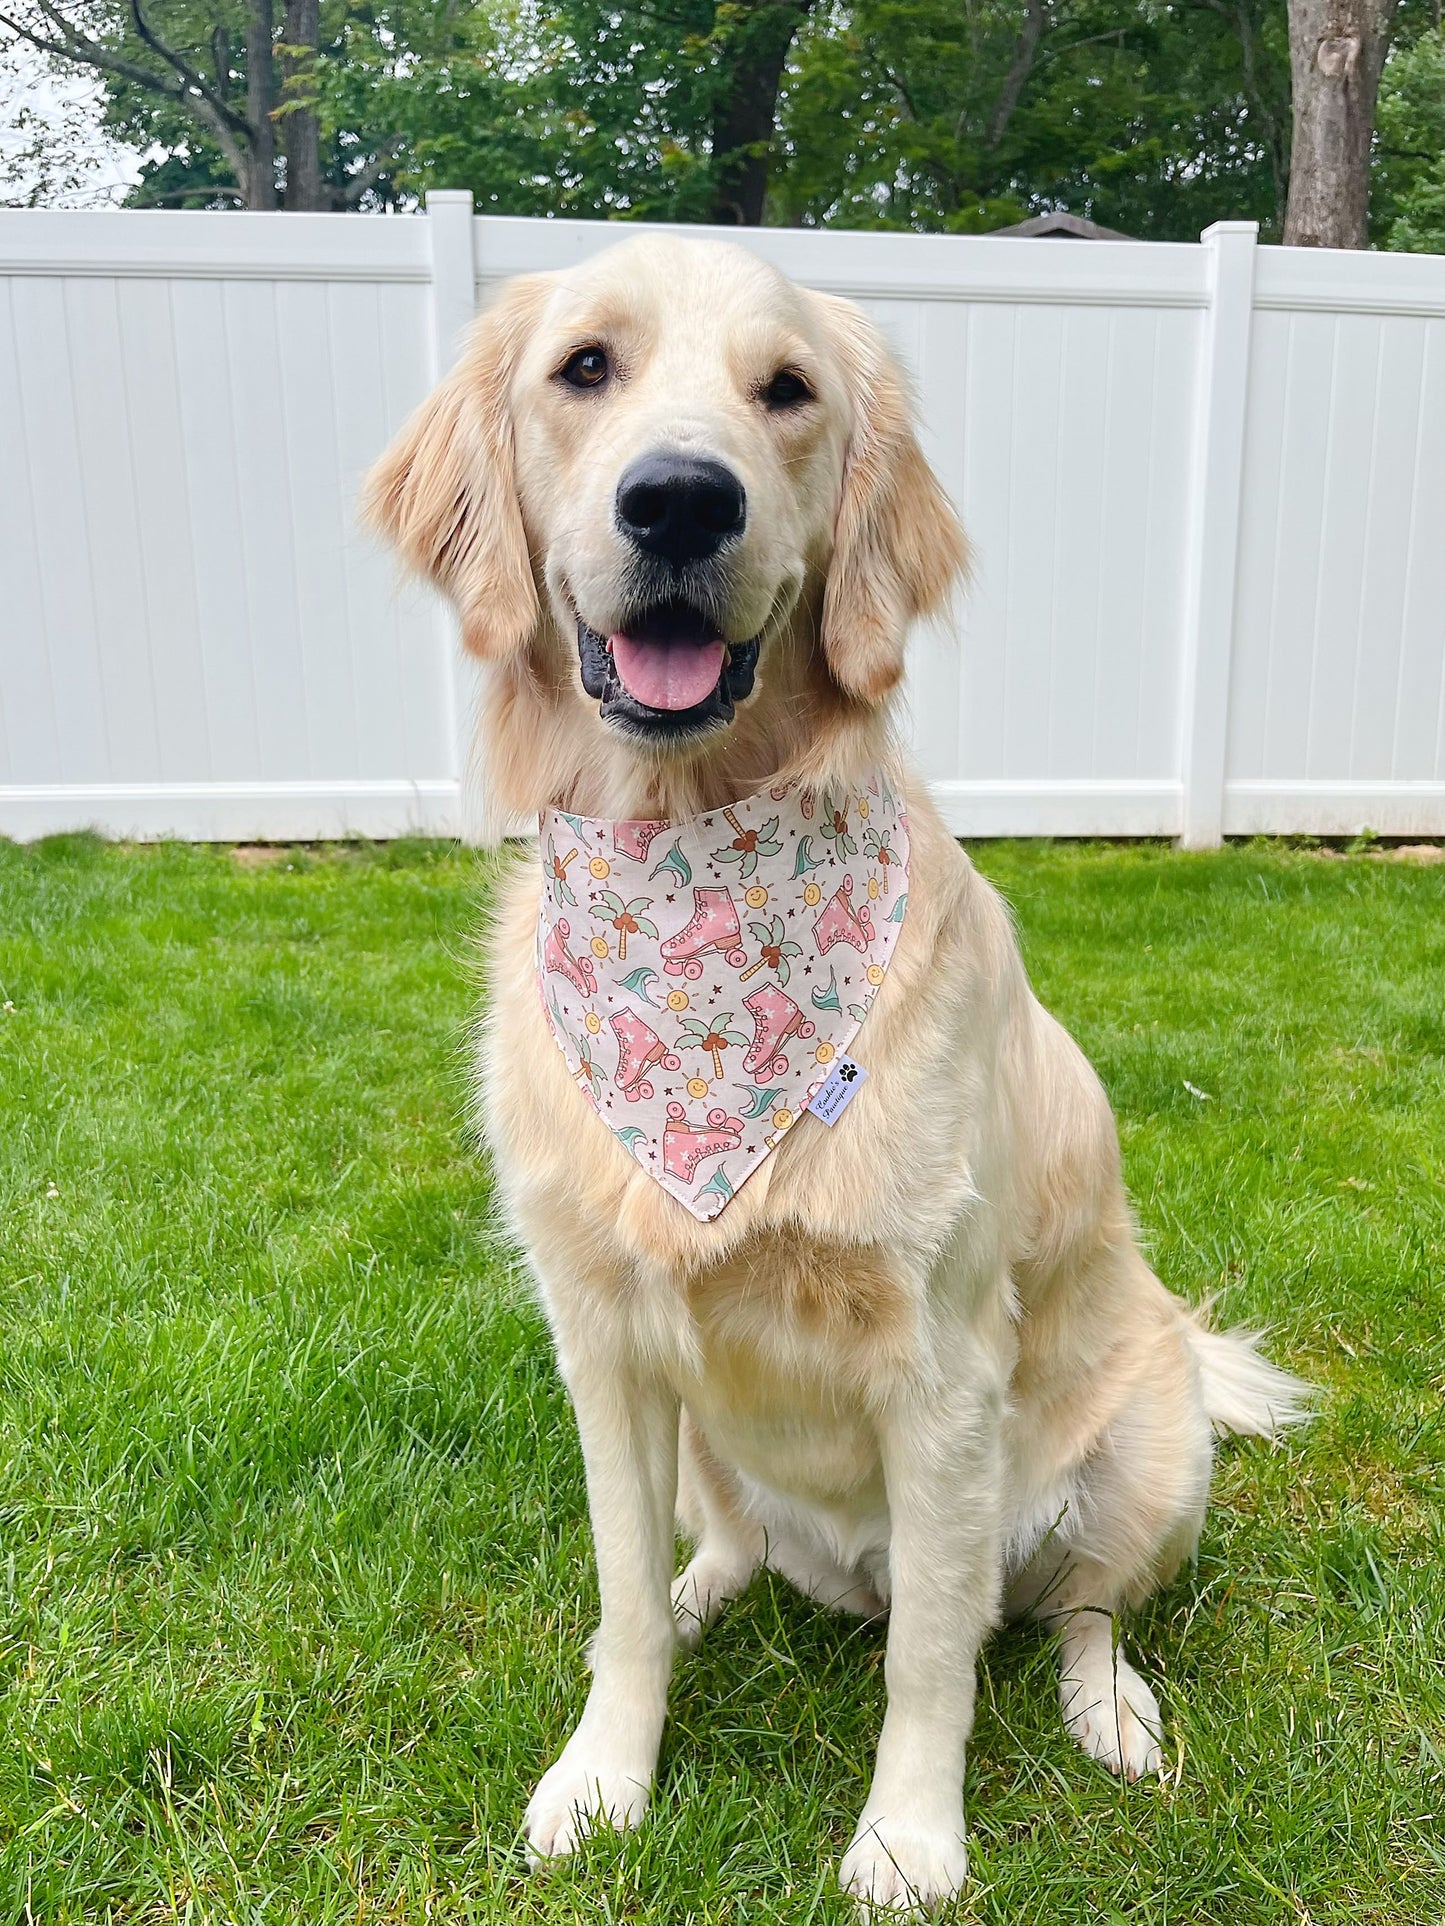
(1205, 486)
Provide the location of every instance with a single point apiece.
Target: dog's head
(676, 497)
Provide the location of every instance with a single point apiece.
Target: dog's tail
(1243, 1392)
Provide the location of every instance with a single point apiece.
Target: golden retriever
(918, 1363)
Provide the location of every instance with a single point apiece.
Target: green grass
(294, 1557)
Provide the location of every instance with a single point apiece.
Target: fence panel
(204, 641)
(1337, 709)
(1204, 487)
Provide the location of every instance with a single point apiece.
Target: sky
(44, 112)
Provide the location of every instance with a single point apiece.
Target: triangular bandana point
(700, 977)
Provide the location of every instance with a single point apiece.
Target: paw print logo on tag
(837, 1090)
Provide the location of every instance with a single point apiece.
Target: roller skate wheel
(671, 1062)
(675, 1113)
(564, 928)
(692, 969)
(643, 1090)
(716, 1119)
(807, 1028)
(735, 959)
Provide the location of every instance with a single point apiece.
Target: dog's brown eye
(588, 368)
(787, 389)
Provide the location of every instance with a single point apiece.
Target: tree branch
(73, 45)
(368, 176)
(195, 82)
(1020, 67)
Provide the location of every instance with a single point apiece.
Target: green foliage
(297, 1575)
(1408, 204)
(1155, 119)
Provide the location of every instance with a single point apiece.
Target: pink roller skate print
(635, 839)
(639, 1049)
(775, 1018)
(580, 971)
(685, 1145)
(841, 923)
(714, 926)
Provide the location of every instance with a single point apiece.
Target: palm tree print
(626, 918)
(876, 844)
(587, 1068)
(835, 826)
(557, 873)
(776, 950)
(749, 844)
(697, 1033)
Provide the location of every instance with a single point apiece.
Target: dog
(916, 1361)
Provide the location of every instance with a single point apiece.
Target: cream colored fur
(919, 1362)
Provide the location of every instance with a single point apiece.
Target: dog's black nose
(680, 508)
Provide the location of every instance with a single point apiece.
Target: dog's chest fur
(780, 1322)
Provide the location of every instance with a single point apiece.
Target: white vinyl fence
(1205, 486)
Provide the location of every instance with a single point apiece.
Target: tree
(223, 86)
(753, 40)
(1153, 119)
(1337, 55)
(1408, 189)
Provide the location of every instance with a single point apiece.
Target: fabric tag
(835, 1093)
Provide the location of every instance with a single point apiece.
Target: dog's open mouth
(668, 672)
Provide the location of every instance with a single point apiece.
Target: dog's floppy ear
(897, 543)
(445, 492)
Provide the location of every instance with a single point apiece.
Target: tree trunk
(259, 184)
(1337, 53)
(300, 128)
(747, 105)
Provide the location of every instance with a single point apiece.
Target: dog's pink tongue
(667, 675)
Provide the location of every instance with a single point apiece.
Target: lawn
(295, 1561)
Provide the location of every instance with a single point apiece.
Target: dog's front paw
(901, 1867)
(579, 1793)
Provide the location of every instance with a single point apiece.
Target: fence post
(453, 303)
(453, 272)
(1218, 472)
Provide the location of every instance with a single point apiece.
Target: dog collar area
(701, 978)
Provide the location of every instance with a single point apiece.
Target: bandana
(702, 977)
